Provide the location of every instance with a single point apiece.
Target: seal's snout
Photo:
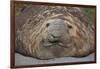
(54, 38)
(56, 30)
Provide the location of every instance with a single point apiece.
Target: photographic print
(48, 34)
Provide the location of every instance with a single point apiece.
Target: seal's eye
(69, 26)
(48, 24)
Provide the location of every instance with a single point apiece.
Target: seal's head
(57, 33)
(54, 32)
(62, 38)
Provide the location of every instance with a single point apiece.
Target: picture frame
(17, 14)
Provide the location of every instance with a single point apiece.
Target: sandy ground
(23, 60)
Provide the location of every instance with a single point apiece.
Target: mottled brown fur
(32, 32)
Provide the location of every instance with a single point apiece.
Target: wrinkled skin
(57, 42)
(57, 32)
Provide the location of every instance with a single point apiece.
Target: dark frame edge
(12, 34)
(95, 33)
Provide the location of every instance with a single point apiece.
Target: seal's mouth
(54, 43)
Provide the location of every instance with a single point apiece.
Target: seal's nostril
(52, 35)
(55, 36)
(53, 39)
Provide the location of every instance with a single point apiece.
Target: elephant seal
(46, 32)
